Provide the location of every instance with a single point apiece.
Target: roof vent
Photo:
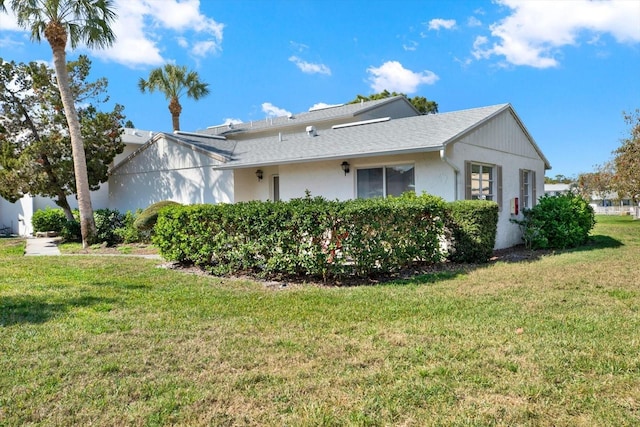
(311, 131)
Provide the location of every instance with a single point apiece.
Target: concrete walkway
(42, 246)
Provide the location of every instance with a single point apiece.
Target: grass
(118, 341)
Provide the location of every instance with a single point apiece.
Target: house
(15, 218)
(376, 148)
(557, 189)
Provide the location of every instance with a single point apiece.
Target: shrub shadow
(15, 310)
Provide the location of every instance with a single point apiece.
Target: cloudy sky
(569, 68)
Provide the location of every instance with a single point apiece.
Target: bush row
(317, 237)
(112, 226)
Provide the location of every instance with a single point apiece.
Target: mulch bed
(514, 254)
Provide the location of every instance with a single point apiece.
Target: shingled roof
(357, 139)
(314, 116)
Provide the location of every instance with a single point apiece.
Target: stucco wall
(168, 171)
(327, 179)
(501, 142)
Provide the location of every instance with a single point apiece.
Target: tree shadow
(27, 309)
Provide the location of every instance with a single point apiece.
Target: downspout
(443, 157)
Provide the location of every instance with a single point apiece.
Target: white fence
(618, 210)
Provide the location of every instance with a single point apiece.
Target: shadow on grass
(428, 278)
(36, 310)
(599, 242)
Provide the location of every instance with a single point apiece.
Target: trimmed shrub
(107, 222)
(310, 236)
(557, 222)
(148, 217)
(71, 231)
(48, 219)
(473, 225)
(127, 233)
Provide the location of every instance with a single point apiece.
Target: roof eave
(333, 157)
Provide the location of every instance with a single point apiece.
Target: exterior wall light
(345, 167)
(259, 174)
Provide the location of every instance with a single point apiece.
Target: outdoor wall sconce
(345, 167)
(259, 174)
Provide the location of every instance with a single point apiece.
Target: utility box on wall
(515, 207)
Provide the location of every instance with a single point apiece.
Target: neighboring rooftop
(314, 116)
(135, 136)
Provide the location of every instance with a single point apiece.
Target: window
(275, 188)
(483, 182)
(527, 188)
(385, 181)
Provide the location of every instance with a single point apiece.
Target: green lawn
(118, 341)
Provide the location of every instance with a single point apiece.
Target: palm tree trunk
(175, 108)
(87, 223)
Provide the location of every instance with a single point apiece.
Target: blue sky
(569, 68)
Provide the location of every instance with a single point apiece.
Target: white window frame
(495, 184)
(384, 176)
(527, 188)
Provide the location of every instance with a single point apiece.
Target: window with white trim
(385, 181)
(483, 182)
(527, 188)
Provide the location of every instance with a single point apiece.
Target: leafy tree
(558, 179)
(627, 160)
(76, 21)
(35, 148)
(174, 81)
(598, 184)
(421, 103)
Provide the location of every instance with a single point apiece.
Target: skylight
(360, 123)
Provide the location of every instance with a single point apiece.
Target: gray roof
(406, 135)
(310, 117)
(135, 136)
(395, 136)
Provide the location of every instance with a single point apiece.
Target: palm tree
(77, 21)
(173, 81)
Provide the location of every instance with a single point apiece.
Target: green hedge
(473, 225)
(310, 236)
(557, 222)
(48, 219)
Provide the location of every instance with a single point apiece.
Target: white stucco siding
(168, 171)
(501, 142)
(247, 186)
(327, 179)
(17, 216)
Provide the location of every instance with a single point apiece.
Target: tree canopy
(558, 179)
(35, 147)
(597, 184)
(422, 104)
(627, 160)
(174, 81)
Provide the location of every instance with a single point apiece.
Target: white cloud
(300, 47)
(474, 22)
(230, 121)
(393, 77)
(534, 32)
(140, 23)
(8, 21)
(438, 23)
(310, 68)
(322, 105)
(273, 111)
(410, 46)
